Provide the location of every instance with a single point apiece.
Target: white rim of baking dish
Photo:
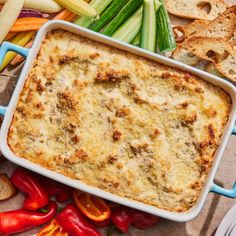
(182, 216)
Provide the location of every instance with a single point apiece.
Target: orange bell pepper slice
(93, 207)
(53, 229)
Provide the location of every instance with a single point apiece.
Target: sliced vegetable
(28, 24)
(122, 16)
(136, 40)
(102, 224)
(61, 192)
(99, 6)
(79, 7)
(93, 207)
(10, 35)
(8, 16)
(32, 13)
(65, 15)
(18, 37)
(48, 6)
(73, 222)
(52, 229)
(36, 196)
(108, 15)
(18, 58)
(165, 36)
(157, 5)
(149, 30)
(130, 28)
(20, 40)
(21, 220)
(122, 217)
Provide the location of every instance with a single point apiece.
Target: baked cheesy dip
(119, 122)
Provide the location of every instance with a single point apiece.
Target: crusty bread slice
(227, 67)
(210, 68)
(215, 50)
(182, 32)
(182, 54)
(194, 27)
(196, 9)
(210, 49)
(222, 27)
(7, 190)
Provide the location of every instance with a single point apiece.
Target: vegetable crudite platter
(98, 109)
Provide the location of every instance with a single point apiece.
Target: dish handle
(231, 193)
(5, 47)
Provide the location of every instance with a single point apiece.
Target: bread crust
(221, 27)
(196, 9)
(7, 190)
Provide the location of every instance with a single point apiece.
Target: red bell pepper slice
(93, 207)
(122, 217)
(62, 192)
(52, 229)
(102, 224)
(26, 182)
(74, 223)
(17, 221)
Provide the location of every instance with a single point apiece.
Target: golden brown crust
(7, 190)
(119, 122)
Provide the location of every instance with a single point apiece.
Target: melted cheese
(119, 122)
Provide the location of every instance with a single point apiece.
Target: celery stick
(148, 31)
(165, 36)
(99, 6)
(130, 28)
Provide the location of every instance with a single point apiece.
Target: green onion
(127, 11)
(149, 30)
(108, 14)
(99, 6)
(165, 36)
(128, 31)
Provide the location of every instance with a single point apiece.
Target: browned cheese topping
(119, 122)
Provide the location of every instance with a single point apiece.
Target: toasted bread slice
(7, 190)
(222, 27)
(227, 67)
(210, 49)
(194, 27)
(196, 9)
(210, 68)
(183, 32)
(182, 54)
(218, 51)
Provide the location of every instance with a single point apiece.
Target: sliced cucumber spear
(136, 41)
(128, 31)
(122, 16)
(108, 14)
(99, 6)
(165, 36)
(149, 26)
